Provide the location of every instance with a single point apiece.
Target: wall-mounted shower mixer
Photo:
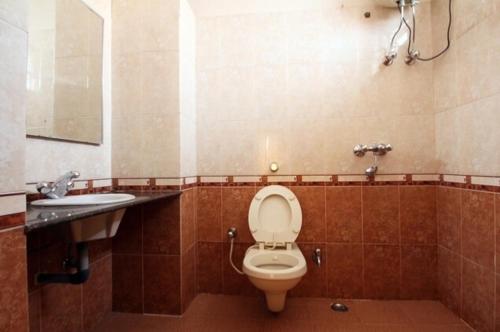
(378, 150)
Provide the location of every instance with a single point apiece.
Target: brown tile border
(12, 220)
(16, 217)
(229, 181)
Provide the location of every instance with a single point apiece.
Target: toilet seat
(275, 216)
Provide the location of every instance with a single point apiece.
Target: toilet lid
(275, 215)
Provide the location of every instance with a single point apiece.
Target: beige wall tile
(154, 89)
(466, 88)
(309, 85)
(15, 12)
(159, 83)
(13, 47)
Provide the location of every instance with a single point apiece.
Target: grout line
(436, 216)
(142, 257)
(223, 279)
(494, 260)
(362, 243)
(460, 252)
(325, 248)
(400, 244)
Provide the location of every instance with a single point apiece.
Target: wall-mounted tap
(378, 150)
(58, 188)
(371, 171)
(317, 256)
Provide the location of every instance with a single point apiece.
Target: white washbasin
(91, 199)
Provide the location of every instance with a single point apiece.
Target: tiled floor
(234, 313)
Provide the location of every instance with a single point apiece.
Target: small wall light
(274, 167)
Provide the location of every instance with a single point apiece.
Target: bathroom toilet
(275, 263)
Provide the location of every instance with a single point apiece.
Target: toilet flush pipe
(231, 233)
(79, 277)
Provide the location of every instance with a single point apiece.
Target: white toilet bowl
(275, 264)
(275, 272)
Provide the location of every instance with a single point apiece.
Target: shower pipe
(413, 54)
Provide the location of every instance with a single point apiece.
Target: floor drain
(340, 307)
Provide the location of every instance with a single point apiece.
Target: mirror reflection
(64, 71)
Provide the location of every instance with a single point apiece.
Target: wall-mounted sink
(91, 199)
(102, 226)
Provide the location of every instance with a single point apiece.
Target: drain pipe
(79, 277)
(231, 234)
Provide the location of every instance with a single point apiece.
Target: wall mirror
(64, 80)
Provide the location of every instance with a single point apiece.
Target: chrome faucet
(58, 188)
(317, 256)
(378, 150)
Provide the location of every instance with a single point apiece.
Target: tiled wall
(378, 242)
(13, 47)
(187, 89)
(153, 89)
(154, 257)
(13, 50)
(468, 237)
(46, 160)
(302, 87)
(467, 87)
(14, 295)
(65, 307)
(149, 267)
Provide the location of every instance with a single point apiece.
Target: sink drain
(339, 307)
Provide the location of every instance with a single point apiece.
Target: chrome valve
(378, 149)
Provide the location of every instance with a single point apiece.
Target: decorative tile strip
(102, 183)
(425, 178)
(247, 179)
(284, 180)
(169, 182)
(80, 185)
(138, 184)
(133, 182)
(455, 178)
(352, 178)
(316, 180)
(390, 178)
(161, 184)
(190, 180)
(213, 180)
(485, 181)
(243, 181)
(12, 220)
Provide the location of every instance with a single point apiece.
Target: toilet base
(275, 291)
(276, 301)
